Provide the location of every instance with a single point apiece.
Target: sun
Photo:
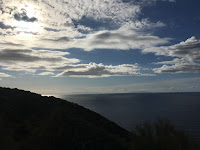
(26, 18)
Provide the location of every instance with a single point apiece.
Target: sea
(129, 110)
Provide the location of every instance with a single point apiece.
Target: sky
(57, 47)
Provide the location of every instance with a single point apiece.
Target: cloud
(20, 55)
(56, 61)
(143, 25)
(32, 60)
(9, 44)
(145, 3)
(46, 73)
(60, 39)
(186, 54)
(62, 13)
(93, 70)
(190, 49)
(3, 26)
(69, 67)
(179, 68)
(3, 75)
(26, 25)
(23, 17)
(63, 24)
(118, 39)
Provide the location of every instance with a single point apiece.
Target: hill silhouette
(31, 121)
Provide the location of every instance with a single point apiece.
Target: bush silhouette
(161, 135)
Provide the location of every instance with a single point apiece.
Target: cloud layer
(55, 62)
(63, 24)
(27, 25)
(32, 60)
(186, 57)
(93, 70)
(122, 38)
(3, 75)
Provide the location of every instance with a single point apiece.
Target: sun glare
(26, 20)
(27, 27)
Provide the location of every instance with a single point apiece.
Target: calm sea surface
(127, 110)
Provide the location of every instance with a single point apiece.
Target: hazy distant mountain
(29, 121)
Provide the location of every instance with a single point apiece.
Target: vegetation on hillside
(30, 121)
(161, 135)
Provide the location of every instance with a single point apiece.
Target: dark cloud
(23, 17)
(99, 70)
(67, 67)
(50, 29)
(109, 38)
(10, 44)
(61, 39)
(93, 72)
(3, 26)
(7, 10)
(67, 24)
(120, 36)
(32, 60)
(191, 50)
(179, 68)
(93, 23)
(12, 56)
(107, 35)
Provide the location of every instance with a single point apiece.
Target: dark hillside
(30, 121)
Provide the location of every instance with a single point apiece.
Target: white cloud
(60, 14)
(122, 38)
(93, 70)
(145, 3)
(190, 50)
(187, 57)
(179, 68)
(57, 19)
(142, 25)
(46, 73)
(49, 24)
(3, 75)
(50, 61)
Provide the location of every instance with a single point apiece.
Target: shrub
(161, 135)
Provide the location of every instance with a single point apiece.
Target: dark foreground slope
(30, 121)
